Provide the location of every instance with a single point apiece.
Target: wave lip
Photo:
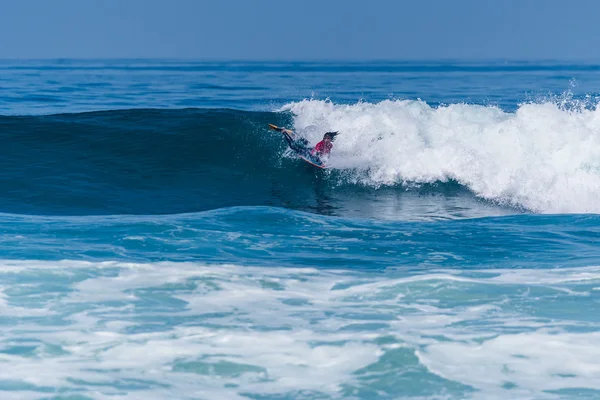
(543, 157)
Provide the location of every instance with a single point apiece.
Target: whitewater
(541, 157)
(157, 240)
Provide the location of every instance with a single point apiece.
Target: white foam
(531, 362)
(220, 331)
(541, 157)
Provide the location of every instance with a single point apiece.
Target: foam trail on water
(188, 330)
(542, 157)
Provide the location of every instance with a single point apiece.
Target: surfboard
(322, 166)
(314, 161)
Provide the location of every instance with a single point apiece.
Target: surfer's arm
(286, 132)
(289, 134)
(289, 138)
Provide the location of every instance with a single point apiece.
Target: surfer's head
(330, 135)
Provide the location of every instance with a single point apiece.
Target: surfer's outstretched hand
(278, 128)
(282, 130)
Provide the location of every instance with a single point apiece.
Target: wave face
(136, 161)
(391, 156)
(173, 161)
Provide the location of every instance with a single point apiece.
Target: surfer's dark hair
(330, 135)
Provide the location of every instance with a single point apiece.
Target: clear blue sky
(301, 29)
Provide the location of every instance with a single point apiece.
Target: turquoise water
(158, 241)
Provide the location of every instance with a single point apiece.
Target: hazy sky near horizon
(301, 29)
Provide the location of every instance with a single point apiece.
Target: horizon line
(310, 60)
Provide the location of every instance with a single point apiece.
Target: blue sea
(158, 241)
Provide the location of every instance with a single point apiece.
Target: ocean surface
(159, 242)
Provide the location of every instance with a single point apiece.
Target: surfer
(301, 146)
(323, 148)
